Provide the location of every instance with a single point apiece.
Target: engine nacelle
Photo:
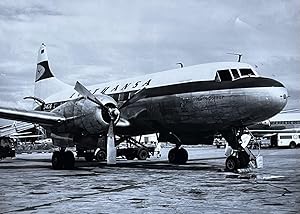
(84, 116)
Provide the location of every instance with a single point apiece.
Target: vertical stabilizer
(46, 84)
(43, 70)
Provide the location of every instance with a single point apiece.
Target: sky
(96, 41)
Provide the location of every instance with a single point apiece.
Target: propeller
(87, 94)
(113, 113)
(110, 145)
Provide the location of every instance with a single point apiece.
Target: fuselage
(191, 101)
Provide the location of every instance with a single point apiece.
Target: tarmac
(29, 185)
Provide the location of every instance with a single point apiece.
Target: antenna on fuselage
(180, 63)
(237, 54)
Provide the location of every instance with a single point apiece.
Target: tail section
(46, 84)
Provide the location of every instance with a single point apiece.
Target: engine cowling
(84, 116)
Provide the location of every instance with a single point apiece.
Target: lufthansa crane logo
(39, 71)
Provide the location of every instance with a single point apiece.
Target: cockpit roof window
(224, 75)
(235, 73)
(246, 72)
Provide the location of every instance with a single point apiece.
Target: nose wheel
(232, 163)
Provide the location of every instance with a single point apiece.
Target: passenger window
(126, 95)
(121, 96)
(235, 73)
(246, 72)
(225, 75)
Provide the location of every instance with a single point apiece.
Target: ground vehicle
(128, 148)
(291, 140)
(219, 141)
(7, 148)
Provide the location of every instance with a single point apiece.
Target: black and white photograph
(150, 106)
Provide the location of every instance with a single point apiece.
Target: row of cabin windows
(232, 74)
(286, 122)
(122, 96)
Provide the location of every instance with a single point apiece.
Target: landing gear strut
(63, 160)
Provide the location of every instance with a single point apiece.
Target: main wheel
(100, 155)
(292, 145)
(178, 156)
(142, 154)
(172, 155)
(69, 160)
(182, 156)
(57, 160)
(232, 163)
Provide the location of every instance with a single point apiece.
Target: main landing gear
(177, 155)
(63, 159)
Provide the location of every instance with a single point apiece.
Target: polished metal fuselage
(194, 115)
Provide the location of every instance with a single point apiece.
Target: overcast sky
(98, 41)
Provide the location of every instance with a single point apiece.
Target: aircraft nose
(276, 96)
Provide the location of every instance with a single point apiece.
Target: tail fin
(43, 70)
(46, 84)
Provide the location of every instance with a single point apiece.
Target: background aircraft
(185, 106)
(282, 122)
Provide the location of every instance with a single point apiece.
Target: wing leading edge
(40, 117)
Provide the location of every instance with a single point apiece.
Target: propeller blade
(137, 96)
(111, 148)
(86, 93)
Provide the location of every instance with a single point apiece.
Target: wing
(40, 117)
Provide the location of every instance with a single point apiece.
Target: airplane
(185, 106)
(280, 123)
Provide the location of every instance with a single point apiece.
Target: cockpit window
(246, 72)
(235, 73)
(224, 75)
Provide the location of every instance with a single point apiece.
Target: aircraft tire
(142, 154)
(69, 160)
(232, 163)
(172, 155)
(182, 156)
(100, 156)
(178, 156)
(292, 145)
(57, 160)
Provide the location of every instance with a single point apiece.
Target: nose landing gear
(239, 155)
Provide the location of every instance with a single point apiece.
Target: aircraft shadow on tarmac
(194, 164)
